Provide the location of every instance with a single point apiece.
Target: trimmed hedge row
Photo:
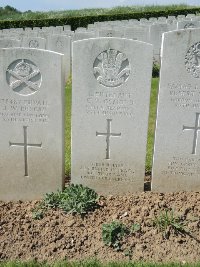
(76, 22)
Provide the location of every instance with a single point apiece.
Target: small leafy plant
(112, 233)
(135, 227)
(74, 199)
(167, 221)
(78, 199)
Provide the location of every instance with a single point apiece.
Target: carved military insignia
(33, 44)
(192, 60)
(24, 77)
(189, 26)
(111, 68)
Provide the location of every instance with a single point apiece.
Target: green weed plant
(74, 199)
(112, 234)
(167, 222)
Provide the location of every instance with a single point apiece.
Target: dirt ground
(61, 236)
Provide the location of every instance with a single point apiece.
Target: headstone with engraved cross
(31, 119)
(176, 164)
(110, 105)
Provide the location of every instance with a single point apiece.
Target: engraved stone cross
(108, 135)
(26, 145)
(196, 128)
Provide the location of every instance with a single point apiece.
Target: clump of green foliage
(135, 227)
(167, 222)
(112, 234)
(74, 199)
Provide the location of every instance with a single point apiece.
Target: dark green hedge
(76, 22)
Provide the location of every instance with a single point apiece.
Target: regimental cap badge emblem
(189, 26)
(192, 60)
(33, 44)
(111, 68)
(24, 77)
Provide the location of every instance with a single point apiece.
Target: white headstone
(156, 32)
(138, 32)
(83, 35)
(6, 42)
(110, 105)
(152, 19)
(162, 19)
(110, 33)
(34, 42)
(61, 44)
(185, 24)
(177, 145)
(32, 128)
(67, 27)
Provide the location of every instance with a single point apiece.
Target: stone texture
(110, 33)
(110, 105)
(177, 145)
(138, 32)
(61, 44)
(83, 35)
(9, 42)
(156, 32)
(34, 42)
(32, 125)
(187, 24)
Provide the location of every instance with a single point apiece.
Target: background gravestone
(31, 108)
(110, 106)
(9, 42)
(61, 44)
(138, 32)
(176, 164)
(34, 42)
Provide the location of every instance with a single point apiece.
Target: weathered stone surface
(187, 24)
(156, 32)
(110, 105)
(83, 35)
(31, 119)
(110, 33)
(138, 32)
(177, 145)
(34, 42)
(61, 44)
(9, 42)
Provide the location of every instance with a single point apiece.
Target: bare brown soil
(61, 236)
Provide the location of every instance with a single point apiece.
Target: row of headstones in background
(56, 43)
(146, 33)
(110, 107)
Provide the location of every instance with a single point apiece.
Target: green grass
(95, 263)
(151, 129)
(86, 12)
(152, 119)
(68, 94)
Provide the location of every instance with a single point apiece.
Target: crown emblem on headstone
(111, 68)
(23, 69)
